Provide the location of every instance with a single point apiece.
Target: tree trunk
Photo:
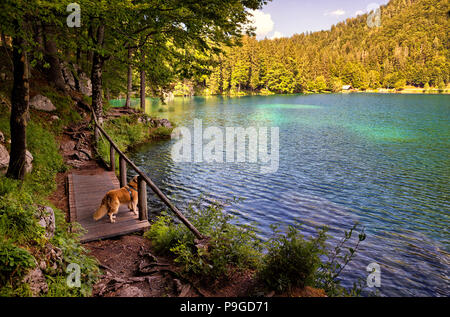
(54, 74)
(96, 78)
(129, 80)
(143, 91)
(19, 111)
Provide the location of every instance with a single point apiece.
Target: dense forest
(410, 47)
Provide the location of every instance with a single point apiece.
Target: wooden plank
(114, 232)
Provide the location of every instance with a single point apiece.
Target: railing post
(112, 157)
(123, 171)
(142, 199)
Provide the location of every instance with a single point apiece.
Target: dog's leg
(130, 206)
(114, 209)
(135, 211)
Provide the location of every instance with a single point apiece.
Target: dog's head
(134, 181)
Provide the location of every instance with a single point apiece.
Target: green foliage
(14, 261)
(336, 261)
(127, 131)
(411, 44)
(291, 260)
(65, 107)
(19, 228)
(165, 234)
(231, 246)
(285, 262)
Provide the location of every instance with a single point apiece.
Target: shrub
(14, 261)
(231, 245)
(291, 260)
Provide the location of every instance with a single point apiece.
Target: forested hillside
(411, 47)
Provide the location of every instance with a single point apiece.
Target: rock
(129, 291)
(37, 282)
(28, 162)
(42, 103)
(54, 118)
(46, 218)
(42, 265)
(85, 85)
(165, 123)
(2, 137)
(75, 163)
(4, 157)
(67, 146)
(68, 76)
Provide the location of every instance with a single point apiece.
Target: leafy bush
(336, 261)
(14, 261)
(231, 246)
(291, 261)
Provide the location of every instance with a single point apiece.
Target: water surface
(380, 160)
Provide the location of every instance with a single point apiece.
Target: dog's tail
(102, 210)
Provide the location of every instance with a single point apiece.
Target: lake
(379, 160)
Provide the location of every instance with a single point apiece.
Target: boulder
(67, 146)
(36, 279)
(42, 103)
(2, 137)
(46, 219)
(68, 76)
(85, 85)
(165, 123)
(28, 162)
(4, 157)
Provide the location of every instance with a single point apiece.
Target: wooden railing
(143, 180)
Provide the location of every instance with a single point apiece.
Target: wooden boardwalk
(86, 191)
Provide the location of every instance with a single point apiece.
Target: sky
(283, 18)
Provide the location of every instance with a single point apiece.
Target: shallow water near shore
(380, 160)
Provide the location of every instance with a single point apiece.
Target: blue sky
(286, 17)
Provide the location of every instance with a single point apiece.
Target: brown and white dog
(116, 197)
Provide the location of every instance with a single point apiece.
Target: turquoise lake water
(380, 160)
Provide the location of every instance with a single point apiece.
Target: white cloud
(263, 23)
(337, 12)
(276, 35)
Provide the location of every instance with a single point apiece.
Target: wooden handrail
(149, 182)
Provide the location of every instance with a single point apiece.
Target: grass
(127, 131)
(23, 242)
